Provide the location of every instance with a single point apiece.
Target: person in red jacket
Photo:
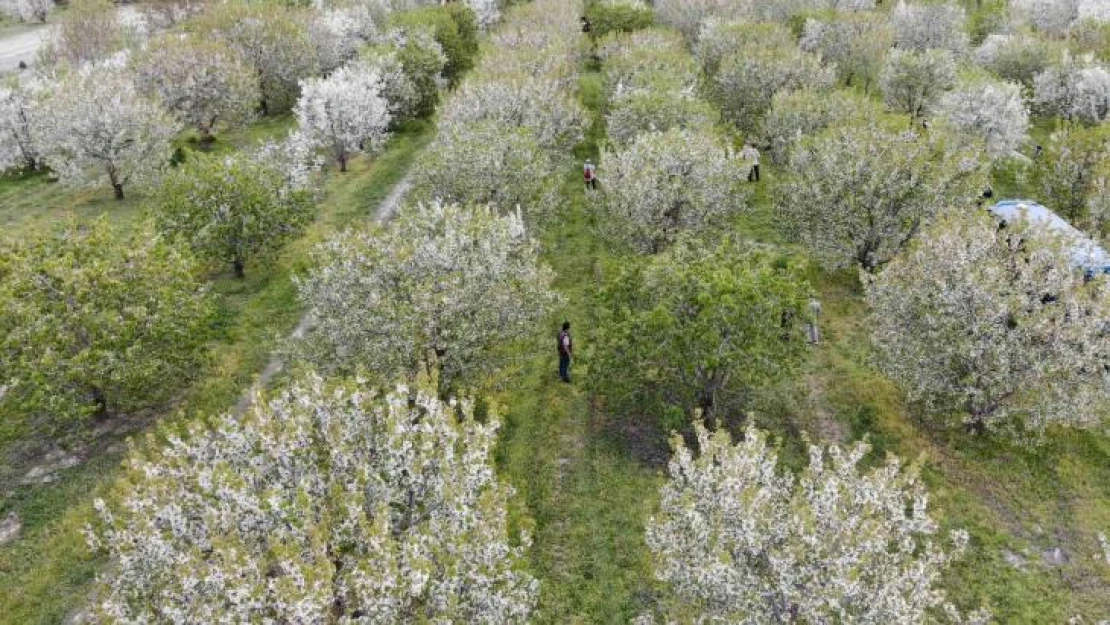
(566, 351)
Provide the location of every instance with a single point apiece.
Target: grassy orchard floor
(586, 496)
(45, 575)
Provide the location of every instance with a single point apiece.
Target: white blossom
(737, 541)
(489, 163)
(539, 40)
(926, 26)
(1076, 90)
(27, 10)
(913, 81)
(295, 156)
(633, 112)
(339, 32)
(328, 502)
(442, 286)
(96, 124)
(655, 59)
(20, 101)
(539, 105)
(165, 14)
(994, 111)
(1097, 10)
(858, 195)
(719, 38)
(89, 31)
(488, 12)
(665, 183)
(398, 88)
(1050, 16)
(994, 323)
(345, 112)
(853, 44)
(202, 82)
(795, 115)
(689, 15)
(1016, 57)
(273, 38)
(749, 79)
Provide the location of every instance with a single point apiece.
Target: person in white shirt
(813, 331)
(589, 171)
(751, 155)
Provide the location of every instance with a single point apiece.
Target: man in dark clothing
(566, 350)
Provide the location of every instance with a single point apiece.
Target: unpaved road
(21, 46)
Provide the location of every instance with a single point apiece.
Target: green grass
(46, 574)
(583, 495)
(33, 201)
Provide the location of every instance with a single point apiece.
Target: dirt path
(21, 46)
(384, 213)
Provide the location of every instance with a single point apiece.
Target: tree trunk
(113, 177)
(101, 402)
(343, 163)
(205, 141)
(238, 265)
(976, 426)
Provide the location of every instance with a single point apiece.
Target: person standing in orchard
(813, 331)
(566, 351)
(751, 156)
(589, 172)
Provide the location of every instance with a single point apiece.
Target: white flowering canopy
(1077, 89)
(865, 214)
(97, 126)
(1097, 10)
(912, 81)
(489, 163)
(203, 82)
(328, 503)
(19, 104)
(539, 104)
(338, 32)
(488, 12)
(994, 324)
(992, 110)
(795, 115)
(444, 286)
(666, 183)
(852, 43)
(346, 113)
(1018, 57)
(739, 542)
(1050, 16)
(27, 10)
(929, 26)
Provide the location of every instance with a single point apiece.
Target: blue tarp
(1085, 254)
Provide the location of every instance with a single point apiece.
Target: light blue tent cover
(1085, 253)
